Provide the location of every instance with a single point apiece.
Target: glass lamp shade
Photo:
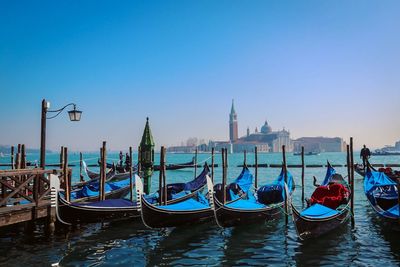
(75, 115)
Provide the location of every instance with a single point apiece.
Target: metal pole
(302, 173)
(212, 164)
(43, 135)
(285, 172)
(130, 174)
(352, 181)
(256, 167)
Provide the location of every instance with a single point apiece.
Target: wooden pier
(25, 196)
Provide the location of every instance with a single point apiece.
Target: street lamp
(74, 115)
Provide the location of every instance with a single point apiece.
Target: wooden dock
(25, 196)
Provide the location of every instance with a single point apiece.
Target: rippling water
(129, 243)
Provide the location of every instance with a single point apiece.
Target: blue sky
(317, 68)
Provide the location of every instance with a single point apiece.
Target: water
(129, 243)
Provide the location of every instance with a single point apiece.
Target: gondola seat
(270, 194)
(318, 211)
(332, 195)
(109, 203)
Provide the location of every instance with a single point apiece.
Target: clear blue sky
(329, 68)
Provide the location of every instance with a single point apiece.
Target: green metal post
(147, 156)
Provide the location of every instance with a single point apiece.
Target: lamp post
(74, 115)
(147, 156)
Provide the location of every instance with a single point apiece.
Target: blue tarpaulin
(318, 211)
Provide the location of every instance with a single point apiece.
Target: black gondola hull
(312, 228)
(87, 214)
(230, 217)
(155, 217)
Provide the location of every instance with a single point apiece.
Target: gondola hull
(75, 214)
(227, 217)
(155, 217)
(311, 228)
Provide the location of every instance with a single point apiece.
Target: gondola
(392, 174)
(382, 194)
(90, 191)
(329, 207)
(245, 206)
(195, 209)
(94, 175)
(88, 212)
(84, 206)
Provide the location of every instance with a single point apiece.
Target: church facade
(266, 140)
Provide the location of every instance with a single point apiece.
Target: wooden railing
(29, 184)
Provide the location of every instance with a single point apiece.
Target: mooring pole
(398, 196)
(104, 170)
(164, 176)
(302, 174)
(256, 167)
(195, 163)
(348, 164)
(80, 167)
(18, 161)
(23, 157)
(160, 177)
(352, 181)
(223, 176)
(62, 158)
(65, 172)
(12, 158)
(286, 193)
(130, 174)
(212, 164)
(244, 158)
(139, 165)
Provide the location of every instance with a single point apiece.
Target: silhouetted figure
(365, 154)
(127, 162)
(121, 158)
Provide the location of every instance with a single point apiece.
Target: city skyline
(316, 68)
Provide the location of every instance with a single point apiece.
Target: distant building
(233, 125)
(319, 144)
(266, 140)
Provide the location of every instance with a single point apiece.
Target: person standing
(365, 154)
(121, 158)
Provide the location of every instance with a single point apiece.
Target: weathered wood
(212, 164)
(302, 173)
(244, 158)
(12, 158)
(352, 181)
(256, 167)
(103, 171)
(15, 190)
(130, 174)
(23, 213)
(348, 164)
(195, 163)
(286, 193)
(16, 172)
(80, 167)
(65, 175)
(160, 178)
(223, 175)
(164, 176)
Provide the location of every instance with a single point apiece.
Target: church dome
(266, 128)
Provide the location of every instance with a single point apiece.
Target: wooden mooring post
(223, 175)
(66, 176)
(302, 174)
(12, 158)
(244, 158)
(286, 193)
(352, 181)
(103, 150)
(195, 163)
(212, 164)
(164, 176)
(80, 167)
(130, 174)
(348, 164)
(256, 167)
(160, 177)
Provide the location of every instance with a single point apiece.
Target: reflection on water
(129, 243)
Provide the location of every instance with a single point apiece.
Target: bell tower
(233, 125)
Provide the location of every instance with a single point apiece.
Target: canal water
(129, 243)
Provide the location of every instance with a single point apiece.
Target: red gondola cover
(330, 196)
